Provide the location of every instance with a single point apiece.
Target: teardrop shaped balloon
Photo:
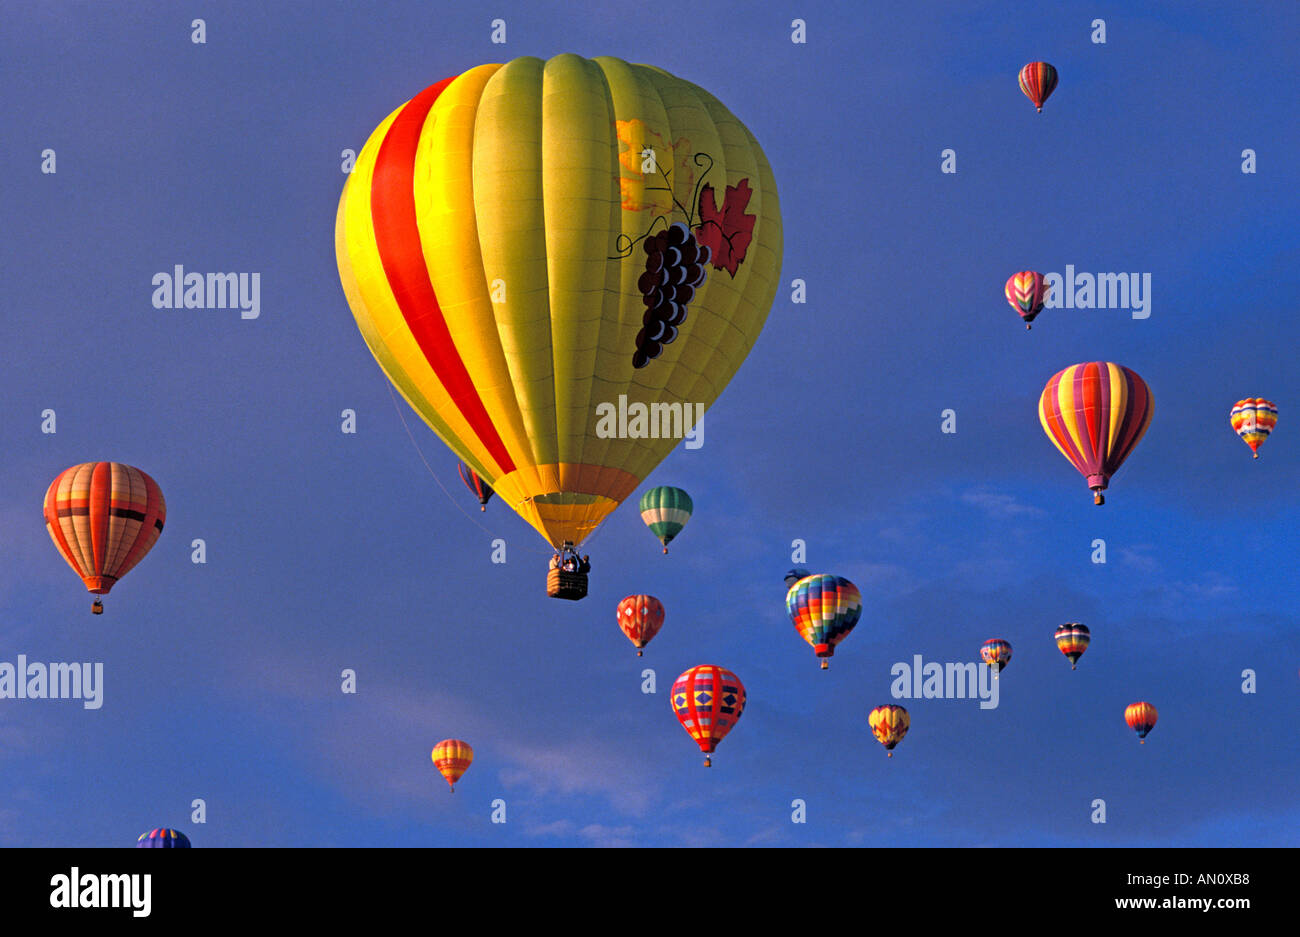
(708, 701)
(1073, 639)
(452, 758)
(502, 241)
(640, 617)
(996, 653)
(1141, 718)
(889, 724)
(665, 511)
(477, 486)
(1026, 291)
(1095, 413)
(1038, 81)
(1253, 419)
(824, 609)
(163, 839)
(103, 517)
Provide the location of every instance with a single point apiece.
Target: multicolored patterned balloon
(163, 839)
(665, 511)
(103, 517)
(1038, 81)
(640, 617)
(1026, 291)
(1253, 419)
(889, 724)
(452, 758)
(1141, 718)
(480, 489)
(1072, 638)
(996, 653)
(708, 701)
(824, 609)
(1095, 413)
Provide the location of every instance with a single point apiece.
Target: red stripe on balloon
(397, 234)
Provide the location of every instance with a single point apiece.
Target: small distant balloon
(640, 617)
(795, 575)
(1253, 419)
(1038, 81)
(452, 758)
(477, 486)
(1026, 291)
(665, 511)
(996, 653)
(1073, 638)
(1141, 718)
(889, 724)
(163, 839)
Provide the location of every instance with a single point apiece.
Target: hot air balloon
(452, 758)
(1072, 638)
(1253, 419)
(540, 253)
(665, 511)
(1095, 413)
(103, 517)
(889, 724)
(1027, 292)
(1141, 718)
(708, 701)
(640, 617)
(795, 575)
(824, 610)
(476, 485)
(1038, 81)
(163, 839)
(996, 653)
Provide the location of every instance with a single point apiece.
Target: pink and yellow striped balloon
(452, 758)
(1026, 291)
(1095, 413)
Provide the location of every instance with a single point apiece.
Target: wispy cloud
(999, 505)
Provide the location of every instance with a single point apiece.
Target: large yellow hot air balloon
(533, 250)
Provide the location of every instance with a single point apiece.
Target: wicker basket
(561, 584)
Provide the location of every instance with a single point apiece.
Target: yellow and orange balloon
(524, 243)
(103, 518)
(452, 758)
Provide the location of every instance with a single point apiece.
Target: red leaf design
(729, 231)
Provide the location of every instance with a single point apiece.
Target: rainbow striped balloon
(1073, 639)
(996, 653)
(1095, 413)
(1038, 81)
(1253, 419)
(824, 609)
(1026, 291)
(163, 839)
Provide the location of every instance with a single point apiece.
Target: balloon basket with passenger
(567, 577)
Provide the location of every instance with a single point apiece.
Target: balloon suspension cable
(420, 452)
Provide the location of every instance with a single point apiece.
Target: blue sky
(329, 551)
